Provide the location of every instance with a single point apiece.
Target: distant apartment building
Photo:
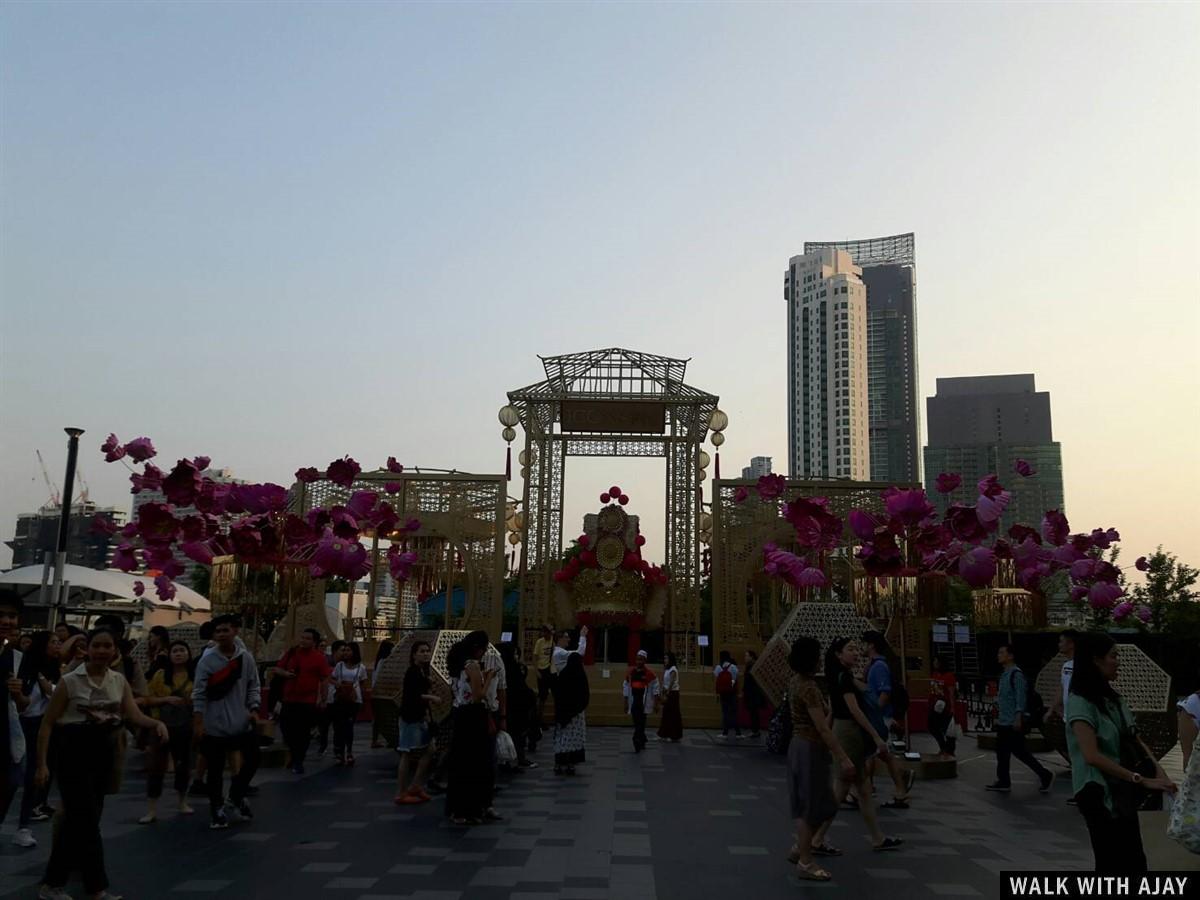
(759, 466)
(983, 425)
(221, 476)
(827, 366)
(36, 535)
(390, 611)
(889, 269)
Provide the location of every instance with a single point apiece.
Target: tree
(1168, 591)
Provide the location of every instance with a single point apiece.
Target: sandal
(895, 803)
(794, 855)
(812, 872)
(826, 850)
(888, 844)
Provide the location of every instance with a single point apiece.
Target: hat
(642, 654)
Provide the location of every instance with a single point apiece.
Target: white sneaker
(24, 838)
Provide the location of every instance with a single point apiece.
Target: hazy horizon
(277, 234)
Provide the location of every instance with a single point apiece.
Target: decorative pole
(64, 526)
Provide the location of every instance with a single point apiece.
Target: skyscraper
(759, 466)
(984, 424)
(889, 271)
(827, 366)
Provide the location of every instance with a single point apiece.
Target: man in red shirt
(306, 673)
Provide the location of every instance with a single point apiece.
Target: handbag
(1127, 797)
(506, 750)
(1184, 824)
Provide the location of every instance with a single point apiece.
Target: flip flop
(826, 850)
(812, 872)
(888, 844)
(895, 803)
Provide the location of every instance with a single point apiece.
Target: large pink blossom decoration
(882, 556)
(393, 466)
(963, 523)
(740, 495)
(400, 564)
(112, 448)
(811, 577)
(948, 482)
(816, 527)
(1144, 613)
(342, 472)
(138, 588)
(1084, 569)
(1122, 610)
(213, 497)
(909, 507)
(771, 486)
(1142, 564)
(198, 551)
(863, 524)
(258, 498)
(990, 507)
(157, 524)
(989, 485)
(171, 568)
(383, 518)
(393, 487)
(150, 479)
(125, 558)
(361, 503)
(165, 588)
(181, 485)
(338, 557)
(1023, 468)
(1079, 593)
(1019, 532)
(201, 462)
(1103, 594)
(977, 567)
(308, 475)
(412, 524)
(1055, 527)
(103, 525)
(140, 449)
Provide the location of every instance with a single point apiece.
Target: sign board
(614, 417)
(962, 634)
(702, 640)
(941, 634)
(505, 636)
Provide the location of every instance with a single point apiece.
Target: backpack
(725, 681)
(898, 696)
(779, 730)
(1035, 708)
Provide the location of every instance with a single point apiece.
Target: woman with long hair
(670, 725)
(86, 711)
(169, 700)
(811, 751)
(855, 735)
(38, 673)
(158, 644)
(414, 741)
(348, 677)
(381, 655)
(1112, 769)
(471, 776)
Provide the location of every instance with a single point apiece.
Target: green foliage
(1169, 592)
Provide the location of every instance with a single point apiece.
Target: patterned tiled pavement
(702, 819)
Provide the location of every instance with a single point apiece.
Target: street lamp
(64, 527)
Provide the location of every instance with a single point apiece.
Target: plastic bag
(506, 750)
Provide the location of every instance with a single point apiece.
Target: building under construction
(37, 534)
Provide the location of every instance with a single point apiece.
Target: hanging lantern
(717, 439)
(519, 521)
(717, 423)
(523, 457)
(525, 473)
(508, 418)
(703, 460)
(706, 521)
(514, 538)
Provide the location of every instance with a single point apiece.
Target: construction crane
(56, 500)
(83, 495)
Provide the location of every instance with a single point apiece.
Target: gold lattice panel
(823, 621)
(184, 631)
(1140, 680)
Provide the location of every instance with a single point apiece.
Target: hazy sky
(278, 233)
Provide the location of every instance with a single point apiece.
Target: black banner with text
(1089, 884)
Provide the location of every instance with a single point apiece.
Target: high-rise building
(37, 535)
(889, 270)
(983, 425)
(759, 466)
(827, 366)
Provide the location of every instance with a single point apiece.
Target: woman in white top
(1189, 725)
(571, 697)
(348, 677)
(39, 672)
(88, 709)
(470, 773)
(671, 725)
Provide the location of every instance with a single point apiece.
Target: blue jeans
(14, 778)
(729, 713)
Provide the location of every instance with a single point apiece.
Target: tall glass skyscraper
(889, 271)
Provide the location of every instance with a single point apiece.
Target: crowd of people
(76, 701)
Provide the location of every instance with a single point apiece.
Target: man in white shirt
(1066, 646)
(560, 654)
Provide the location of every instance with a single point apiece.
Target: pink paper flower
(164, 587)
(771, 486)
(1078, 593)
(740, 495)
(1055, 527)
(964, 524)
(816, 527)
(157, 524)
(1019, 532)
(342, 472)
(990, 507)
(102, 525)
(909, 507)
(112, 449)
(400, 564)
(1023, 468)
(1102, 595)
(977, 567)
(201, 462)
(413, 524)
(198, 551)
(393, 466)
(308, 475)
(862, 523)
(125, 558)
(811, 578)
(383, 518)
(1122, 610)
(990, 485)
(140, 449)
(1142, 564)
(361, 503)
(948, 482)
(150, 479)
(181, 486)
(393, 487)
(138, 589)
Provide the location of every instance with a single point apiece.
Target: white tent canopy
(96, 586)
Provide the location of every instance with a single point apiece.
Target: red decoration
(614, 491)
(623, 499)
(604, 498)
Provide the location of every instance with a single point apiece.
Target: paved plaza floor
(702, 819)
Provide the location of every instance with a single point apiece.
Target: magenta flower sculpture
(948, 482)
(140, 449)
(1023, 468)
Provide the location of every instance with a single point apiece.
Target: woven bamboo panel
(184, 631)
(390, 683)
(1145, 686)
(823, 621)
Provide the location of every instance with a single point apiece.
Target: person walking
(87, 711)
(226, 696)
(640, 690)
(39, 673)
(381, 656)
(855, 735)
(325, 713)
(880, 692)
(670, 726)
(1112, 769)
(571, 697)
(471, 772)
(414, 744)
(169, 700)
(752, 694)
(543, 648)
(348, 677)
(943, 695)
(305, 672)
(725, 682)
(13, 750)
(1012, 722)
(810, 753)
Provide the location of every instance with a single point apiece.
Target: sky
(275, 234)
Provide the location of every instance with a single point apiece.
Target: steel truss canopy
(894, 250)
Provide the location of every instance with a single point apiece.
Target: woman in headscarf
(571, 696)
